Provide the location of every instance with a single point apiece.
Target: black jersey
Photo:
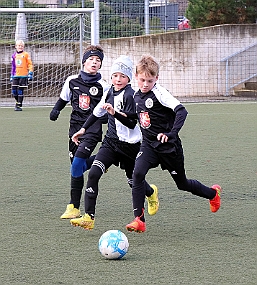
(156, 114)
(84, 91)
(122, 101)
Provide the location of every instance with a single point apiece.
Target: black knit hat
(89, 53)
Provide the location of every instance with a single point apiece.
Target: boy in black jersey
(122, 139)
(161, 116)
(84, 91)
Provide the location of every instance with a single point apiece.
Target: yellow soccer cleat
(85, 222)
(70, 212)
(153, 201)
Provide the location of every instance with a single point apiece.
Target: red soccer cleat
(136, 226)
(215, 202)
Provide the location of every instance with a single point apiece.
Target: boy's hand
(109, 108)
(162, 137)
(75, 137)
(54, 115)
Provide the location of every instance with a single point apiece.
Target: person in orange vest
(21, 73)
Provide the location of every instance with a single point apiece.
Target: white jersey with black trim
(121, 101)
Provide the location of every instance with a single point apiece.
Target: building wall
(190, 61)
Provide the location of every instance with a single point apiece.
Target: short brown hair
(148, 65)
(94, 47)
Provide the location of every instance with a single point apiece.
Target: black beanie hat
(89, 53)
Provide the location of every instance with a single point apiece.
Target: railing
(240, 67)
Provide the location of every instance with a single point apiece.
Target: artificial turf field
(184, 243)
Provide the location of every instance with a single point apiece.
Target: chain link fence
(209, 64)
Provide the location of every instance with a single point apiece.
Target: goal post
(55, 38)
(80, 11)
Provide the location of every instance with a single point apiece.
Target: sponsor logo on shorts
(90, 190)
(139, 154)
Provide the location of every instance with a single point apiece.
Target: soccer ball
(113, 244)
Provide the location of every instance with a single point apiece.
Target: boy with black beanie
(84, 91)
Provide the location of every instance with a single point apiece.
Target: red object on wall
(184, 24)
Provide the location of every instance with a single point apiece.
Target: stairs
(249, 90)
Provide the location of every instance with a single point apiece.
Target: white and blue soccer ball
(113, 244)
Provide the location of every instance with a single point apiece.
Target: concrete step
(246, 93)
(251, 85)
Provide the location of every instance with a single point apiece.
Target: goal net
(55, 41)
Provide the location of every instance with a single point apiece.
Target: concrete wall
(190, 60)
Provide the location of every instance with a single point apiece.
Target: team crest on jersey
(145, 120)
(93, 91)
(149, 103)
(18, 62)
(84, 101)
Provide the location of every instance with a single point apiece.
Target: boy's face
(145, 82)
(119, 80)
(19, 47)
(92, 64)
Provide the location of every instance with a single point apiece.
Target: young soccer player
(161, 116)
(84, 92)
(121, 142)
(22, 71)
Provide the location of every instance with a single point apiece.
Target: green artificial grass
(184, 243)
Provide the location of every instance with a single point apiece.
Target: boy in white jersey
(122, 139)
(161, 116)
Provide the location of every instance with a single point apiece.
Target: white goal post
(55, 39)
(80, 11)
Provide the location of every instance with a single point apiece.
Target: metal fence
(195, 65)
(238, 69)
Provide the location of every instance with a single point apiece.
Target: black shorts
(123, 148)
(72, 148)
(85, 147)
(20, 82)
(152, 158)
(119, 153)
